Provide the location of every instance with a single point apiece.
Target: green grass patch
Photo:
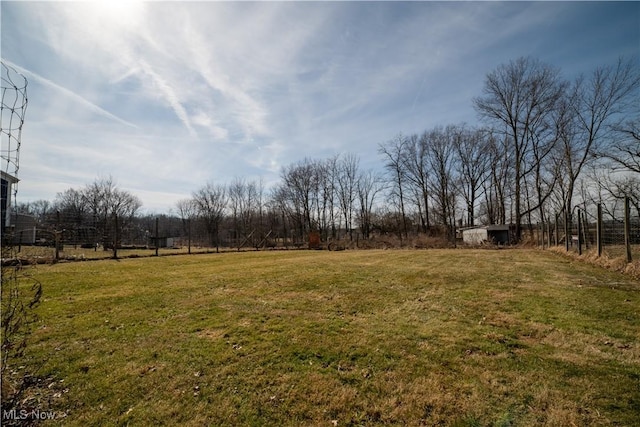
(454, 337)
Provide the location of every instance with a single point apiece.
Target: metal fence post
(579, 232)
(585, 229)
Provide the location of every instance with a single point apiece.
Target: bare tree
(591, 110)
(112, 209)
(543, 172)
(245, 204)
(236, 195)
(326, 172)
(122, 207)
(279, 211)
(613, 187)
(95, 195)
(417, 174)
(393, 152)
(300, 193)
(369, 186)
(41, 211)
(471, 148)
(497, 186)
(259, 210)
(442, 163)
(73, 210)
(211, 202)
(624, 149)
(187, 211)
(347, 186)
(518, 97)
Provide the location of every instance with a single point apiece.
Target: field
(449, 337)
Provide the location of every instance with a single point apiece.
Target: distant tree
(238, 206)
(43, 212)
(122, 207)
(624, 149)
(93, 195)
(369, 185)
(280, 211)
(611, 189)
(519, 98)
(299, 194)
(113, 210)
(72, 207)
(442, 163)
(590, 111)
(393, 153)
(260, 204)
(327, 186)
(347, 187)
(498, 184)
(543, 171)
(415, 153)
(471, 149)
(245, 205)
(187, 211)
(211, 202)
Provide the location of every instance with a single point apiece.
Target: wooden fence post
(627, 228)
(567, 229)
(540, 238)
(599, 230)
(57, 235)
(189, 234)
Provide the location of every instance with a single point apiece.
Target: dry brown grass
(609, 260)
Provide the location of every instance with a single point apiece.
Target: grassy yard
(451, 337)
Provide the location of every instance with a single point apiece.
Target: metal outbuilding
(497, 234)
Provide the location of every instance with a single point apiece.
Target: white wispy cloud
(69, 94)
(169, 95)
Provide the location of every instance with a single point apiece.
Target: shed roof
(498, 227)
(493, 227)
(7, 177)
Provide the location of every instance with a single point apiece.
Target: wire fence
(193, 243)
(610, 233)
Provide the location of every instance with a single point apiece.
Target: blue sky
(165, 96)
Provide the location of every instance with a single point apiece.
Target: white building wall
(474, 236)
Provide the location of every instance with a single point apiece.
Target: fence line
(613, 235)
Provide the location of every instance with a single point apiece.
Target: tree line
(543, 142)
